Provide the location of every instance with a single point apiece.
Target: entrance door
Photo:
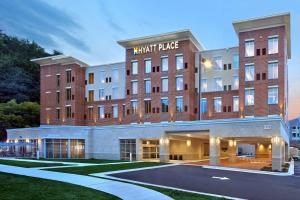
(151, 149)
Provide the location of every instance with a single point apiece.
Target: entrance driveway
(235, 184)
(297, 168)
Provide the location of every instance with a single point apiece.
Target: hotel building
(171, 99)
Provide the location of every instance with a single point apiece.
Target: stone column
(283, 151)
(214, 150)
(69, 149)
(232, 150)
(276, 153)
(139, 149)
(164, 149)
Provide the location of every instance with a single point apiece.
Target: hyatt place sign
(155, 47)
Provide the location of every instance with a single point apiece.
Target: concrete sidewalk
(122, 190)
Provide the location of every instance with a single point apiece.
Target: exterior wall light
(188, 143)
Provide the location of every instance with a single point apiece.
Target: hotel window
(179, 62)
(249, 72)
(115, 77)
(273, 44)
(68, 111)
(218, 84)
(134, 106)
(218, 104)
(123, 110)
(127, 147)
(101, 94)
(90, 113)
(164, 105)
(115, 111)
(57, 113)
(134, 87)
(249, 96)
(91, 95)
(273, 95)
(179, 104)
(164, 64)
(273, 70)
(91, 78)
(57, 97)
(236, 104)
(68, 94)
(57, 80)
(102, 76)
(179, 83)
(115, 92)
(203, 105)
(147, 66)
(204, 85)
(235, 82)
(235, 61)
(249, 48)
(101, 112)
(68, 74)
(134, 67)
(218, 63)
(147, 106)
(165, 84)
(147, 86)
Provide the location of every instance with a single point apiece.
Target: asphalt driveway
(235, 184)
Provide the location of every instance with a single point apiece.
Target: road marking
(221, 178)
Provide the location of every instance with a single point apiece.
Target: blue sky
(89, 29)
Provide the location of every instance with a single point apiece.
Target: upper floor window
(68, 94)
(90, 113)
(218, 63)
(134, 87)
(101, 112)
(147, 106)
(273, 95)
(57, 80)
(218, 84)
(91, 78)
(57, 113)
(91, 95)
(165, 84)
(115, 92)
(68, 111)
(179, 62)
(101, 94)
(203, 107)
(69, 76)
(179, 83)
(273, 44)
(179, 104)
(134, 67)
(249, 72)
(102, 76)
(134, 106)
(115, 77)
(218, 104)
(147, 86)
(57, 97)
(147, 66)
(164, 105)
(164, 64)
(235, 103)
(235, 84)
(249, 48)
(115, 111)
(235, 61)
(273, 70)
(203, 85)
(249, 96)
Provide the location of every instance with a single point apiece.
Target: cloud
(39, 21)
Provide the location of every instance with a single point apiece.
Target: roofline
(55, 60)
(226, 48)
(261, 17)
(148, 37)
(105, 64)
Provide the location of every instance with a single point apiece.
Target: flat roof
(58, 59)
(270, 21)
(180, 35)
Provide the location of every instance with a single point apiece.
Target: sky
(89, 29)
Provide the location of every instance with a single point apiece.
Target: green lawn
(15, 187)
(28, 164)
(95, 161)
(104, 168)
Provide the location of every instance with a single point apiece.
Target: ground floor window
(59, 148)
(150, 149)
(127, 147)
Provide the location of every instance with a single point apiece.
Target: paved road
(297, 168)
(122, 190)
(241, 185)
